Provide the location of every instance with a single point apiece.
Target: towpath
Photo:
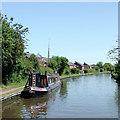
(11, 90)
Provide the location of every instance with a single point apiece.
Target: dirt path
(10, 90)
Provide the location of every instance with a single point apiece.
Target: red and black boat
(40, 84)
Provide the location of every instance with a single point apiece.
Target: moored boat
(40, 84)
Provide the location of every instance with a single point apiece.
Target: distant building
(86, 66)
(71, 65)
(79, 65)
(43, 61)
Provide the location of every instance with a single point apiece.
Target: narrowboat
(40, 84)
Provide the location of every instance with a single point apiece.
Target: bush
(91, 71)
(67, 71)
(75, 71)
(101, 70)
(49, 70)
(85, 71)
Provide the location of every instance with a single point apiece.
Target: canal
(92, 96)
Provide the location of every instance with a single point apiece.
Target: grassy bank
(80, 74)
(13, 85)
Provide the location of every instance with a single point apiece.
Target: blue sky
(80, 31)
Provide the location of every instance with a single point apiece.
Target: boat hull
(28, 93)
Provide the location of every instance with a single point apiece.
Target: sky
(80, 31)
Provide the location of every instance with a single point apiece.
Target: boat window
(50, 80)
(57, 79)
(39, 82)
(43, 81)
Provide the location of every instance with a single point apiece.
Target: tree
(67, 71)
(58, 64)
(13, 44)
(63, 65)
(117, 69)
(108, 66)
(99, 64)
(35, 62)
(52, 64)
(75, 71)
(113, 54)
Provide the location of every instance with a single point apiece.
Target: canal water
(92, 96)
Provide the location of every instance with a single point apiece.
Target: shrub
(85, 71)
(91, 71)
(101, 70)
(75, 71)
(67, 71)
(49, 70)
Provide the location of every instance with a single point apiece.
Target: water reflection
(34, 107)
(63, 90)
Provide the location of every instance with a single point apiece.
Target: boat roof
(54, 74)
(48, 74)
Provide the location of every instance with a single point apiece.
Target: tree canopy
(13, 44)
(58, 64)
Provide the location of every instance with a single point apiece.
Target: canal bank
(18, 92)
(92, 96)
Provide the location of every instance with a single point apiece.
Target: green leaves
(58, 64)
(13, 39)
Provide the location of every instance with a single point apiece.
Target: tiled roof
(79, 63)
(71, 64)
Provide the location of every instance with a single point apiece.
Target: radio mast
(49, 50)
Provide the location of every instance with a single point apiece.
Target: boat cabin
(42, 80)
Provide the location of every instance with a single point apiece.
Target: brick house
(43, 62)
(86, 66)
(71, 65)
(79, 65)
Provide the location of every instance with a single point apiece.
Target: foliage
(75, 71)
(67, 71)
(63, 65)
(58, 64)
(101, 70)
(52, 64)
(85, 71)
(49, 70)
(117, 68)
(113, 54)
(99, 64)
(108, 67)
(13, 45)
(35, 63)
(91, 71)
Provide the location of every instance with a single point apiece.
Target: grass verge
(16, 91)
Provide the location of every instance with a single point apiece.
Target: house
(43, 61)
(86, 66)
(71, 65)
(79, 65)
